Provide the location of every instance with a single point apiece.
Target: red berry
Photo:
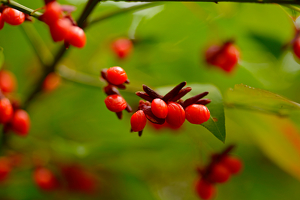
(76, 37)
(6, 110)
(138, 121)
(7, 81)
(219, 174)
(159, 108)
(5, 168)
(59, 29)
(45, 179)
(197, 114)
(204, 189)
(122, 47)
(52, 13)
(234, 165)
(1, 21)
(116, 75)
(13, 16)
(176, 115)
(115, 103)
(296, 47)
(20, 122)
(51, 82)
(79, 180)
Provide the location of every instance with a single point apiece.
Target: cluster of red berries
(10, 16)
(221, 167)
(170, 108)
(122, 47)
(73, 177)
(11, 115)
(225, 56)
(62, 27)
(116, 77)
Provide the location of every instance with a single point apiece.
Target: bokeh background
(71, 125)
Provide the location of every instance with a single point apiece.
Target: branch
(21, 8)
(61, 52)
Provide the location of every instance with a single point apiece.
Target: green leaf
(1, 57)
(216, 123)
(246, 97)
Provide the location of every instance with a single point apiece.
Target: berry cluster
(72, 177)
(62, 27)
(122, 47)
(221, 167)
(10, 16)
(116, 77)
(224, 57)
(170, 108)
(11, 115)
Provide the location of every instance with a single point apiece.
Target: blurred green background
(72, 124)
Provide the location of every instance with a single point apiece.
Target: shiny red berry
(7, 81)
(176, 115)
(219, 174)
(197, 113)
(52, 13)
(115, 103)
(13, 16)
(138, 121)
(76, 37)
(51, 82)
(5, 168)
(20, 122)
(59, 29)
(116, 75)
(6, 110)
(233, 164)
(45, 179)
(159, 108)
(122, 47)
(205, 190)
(296, 47)
(1, 21)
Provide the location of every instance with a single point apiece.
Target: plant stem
(121, 11)
(21, 8)
(292, 7)
(40, 48)
(61, 52)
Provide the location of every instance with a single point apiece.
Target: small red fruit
(5, 168)
(59, 29)
(51, 82)
(219, 174)
(115, 103)
(6, 110)
(122, 47)
(197, 113)
(138, 121)
(45, 179)
(20, 122)
(116, 75)
(76, 37)
(7, 81)
(159, 108)
(176, 115)
(52, 13)
(204, 189)
(13, 16)
(296, 47)
(1, 21)
(234, 165)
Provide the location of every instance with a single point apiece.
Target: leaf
(246, 97)
(1, 57)
(216, 123)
